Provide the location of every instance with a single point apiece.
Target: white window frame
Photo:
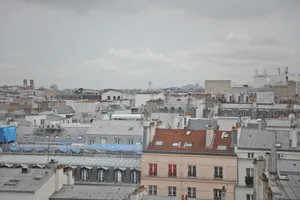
(192, 192)
(249, 172)
(152, 189)
(217, 193)
(249, 196)
(192, 169)
(118, 176)
(117, 140)
(172, 191)
(134, 177)
(130, 141)
(84, 175)
(101, 175)
(250, 155)
(218, 171)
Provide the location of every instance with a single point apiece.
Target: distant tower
(150, 83)
(279, 72)
(265, 72)
(24, 82)
(32, 83)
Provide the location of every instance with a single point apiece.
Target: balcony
(249, 181)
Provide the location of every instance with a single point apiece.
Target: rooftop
(12, 180)
(85, 192)
(99, 161)
(116, 127)
(183, 141)
(199, 124)
(64, 109)
(263, 139)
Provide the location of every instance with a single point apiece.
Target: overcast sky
(124, 44)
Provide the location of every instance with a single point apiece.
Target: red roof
(178, 140)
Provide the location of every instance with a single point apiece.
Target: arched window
(101, 175)
(172, 109)
(118, 176)
(84, 175)
(165, 109)
(134, 177)
(108, 98)
(114, 98)
(119, 97)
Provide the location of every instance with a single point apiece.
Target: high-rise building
(24, 82)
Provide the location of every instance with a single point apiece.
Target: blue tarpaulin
(7, 134)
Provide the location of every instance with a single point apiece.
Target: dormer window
(187, 144)
(175, 144)
(158, 143)
(224, 135)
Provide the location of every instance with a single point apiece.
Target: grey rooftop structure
(116, 127)
(99, 161)
(84, 192)
(265, 140)
(53, 117)
(64, 109)
(288, 185)
(200, 124)
(13, 180)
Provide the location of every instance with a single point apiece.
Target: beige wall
(217, 86)
(284, 92)
(204, 182)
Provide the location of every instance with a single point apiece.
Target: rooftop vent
(24, 170)
(12, 182)
(158, 143)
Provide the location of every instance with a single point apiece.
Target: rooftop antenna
(279, 72)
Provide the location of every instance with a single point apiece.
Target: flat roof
(264, 139)
(88, 192)
(116, 127)
(98, 161)
(12, 180)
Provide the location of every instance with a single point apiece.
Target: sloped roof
(196, 138)
(64, 109)
(54, 118)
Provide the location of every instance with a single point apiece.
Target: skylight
(175, 144)
(188, 133)
(222, 147)
(224, 135)
(277, 145)
(158, 143)
(187, 144)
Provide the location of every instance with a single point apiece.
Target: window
(34, 122)
(134, 177)
(218, 172)
(84, 175)
(172, 191)
(117, 140)
(224, 135)
(175, 144)
(42, 122)
(103, 140)
(172, 170)
(101, 175)
(278, 156)
(250, 155)
(57, 137)
(249, 196)
(188, 144)
(192, 171)
(79, 137)
(158, 143)
(217, 193)
(68, 137)
(130, 141)
(152, 190)
(191, 192)
(152, 169)
(92, 141)
(118, 176)
(249, 172)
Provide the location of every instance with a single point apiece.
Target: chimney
(24, 82)
(25, 170)
(70, 179)
(273, 165)
(258, 169)
(53, 164)
(210, 136)
(186, 197)
(32, 83)
(267, 162)
(293, 138)
(182, 197)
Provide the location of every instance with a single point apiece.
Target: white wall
(37, 118)
(112, 94)
(225, 124)
(141, 99)
(265, 97)
(82, 107)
